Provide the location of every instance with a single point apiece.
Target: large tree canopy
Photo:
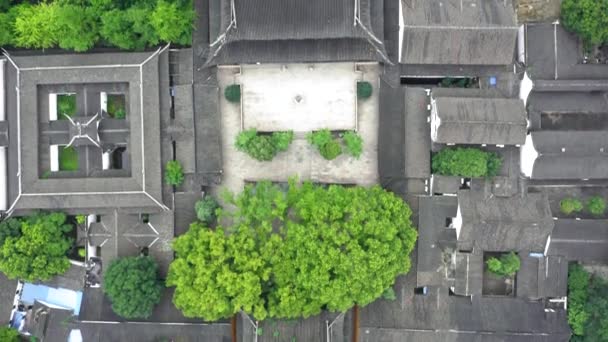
(39, 251)
(293, 253)
(133, 286)
(587, 18)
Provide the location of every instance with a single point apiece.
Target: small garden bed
(332, 144)
(263, 146)
(466, 162)
(66, 104)
(116, 106)
(68, 158)
(499, 273)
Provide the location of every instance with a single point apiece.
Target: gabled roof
(490, 223)
(580, 240)
(570, 155)
(467, 32)
(286, 31)
(477, 120)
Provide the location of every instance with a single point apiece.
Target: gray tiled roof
(295, 31)
(570, 155)
(472, 32)
(476, 120)
(518, 223)
(580, 240)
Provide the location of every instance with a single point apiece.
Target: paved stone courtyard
(301, 160)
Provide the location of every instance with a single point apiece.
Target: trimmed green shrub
(133, 286)
(174, 174)
(82, 252)
(466, 162)
(282, 140)
(319, 138)
(331, 150)
(263, 147)
(205, 209)
(9, 334)
(596, 206)
(364, 90)
(578, 283)
(570, 205)
(506, 266)
(81, 219)
(232, 93)
(353, 143)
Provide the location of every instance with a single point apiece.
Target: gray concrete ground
(301, 97)
(301, 159)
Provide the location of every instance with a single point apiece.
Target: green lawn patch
(66, 104)
(68, 159)
(116, 106)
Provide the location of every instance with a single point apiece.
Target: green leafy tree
(77, 27)
(174, 173)
(232, 93)
(292, 253)
(353, 143)
(9, 228)
(133, 287)
(36, 26)
(586, 18)
(9, 335)
(128, 29)
(364, 90)
(205, 209)
(466, 162)
(570, 205)
(596, 206)
(172, 23)
(596, 308)
(578, 283)
(40, 252)
(7, 22)
(505, 266)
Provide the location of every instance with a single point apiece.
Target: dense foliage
(294, 252)
(80, 25)
(174, 174)
(578, 282)
(466, 162)
(8, 334)
(364, 90)
(570, 205)
(263, 147)
(505, 266)
(133, 287)
(205, 209)
(596, 206)
(232, 93)
(353, 143)
(587, 305)
(40, 249)
(587, 18)
(330, 148)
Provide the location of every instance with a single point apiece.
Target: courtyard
(301, 159)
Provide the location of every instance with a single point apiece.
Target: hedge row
(596, 206)
(80, 25)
